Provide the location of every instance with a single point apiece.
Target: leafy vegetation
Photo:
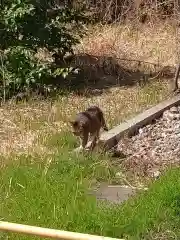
(27, 26)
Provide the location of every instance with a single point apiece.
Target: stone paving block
(131, 126)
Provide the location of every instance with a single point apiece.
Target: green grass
(55, 193)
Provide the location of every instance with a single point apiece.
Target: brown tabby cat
(89, 123)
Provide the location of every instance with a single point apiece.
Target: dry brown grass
(26, 127)
(153, 43)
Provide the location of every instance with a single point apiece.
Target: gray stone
(174, 109)
(156, 173)
(165, 115)
(141, 131)
(114, 193)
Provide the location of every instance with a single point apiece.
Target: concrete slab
(114, 193)
(111, 138)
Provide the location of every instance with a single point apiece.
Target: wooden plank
(111, 138)
(49, 233)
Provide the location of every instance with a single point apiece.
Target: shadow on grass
(99, 73)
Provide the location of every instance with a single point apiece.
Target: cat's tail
(103, 123)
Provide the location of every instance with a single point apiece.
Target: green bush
(25, 27)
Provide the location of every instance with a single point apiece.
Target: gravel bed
(155, 146)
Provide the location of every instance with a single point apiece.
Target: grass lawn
(55, 193)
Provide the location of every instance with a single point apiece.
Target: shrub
(25, 27)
